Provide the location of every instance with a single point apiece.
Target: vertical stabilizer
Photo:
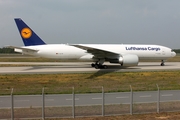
(28, 36)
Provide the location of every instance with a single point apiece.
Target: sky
(93, 21)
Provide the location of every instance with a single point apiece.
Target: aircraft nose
(173, 54)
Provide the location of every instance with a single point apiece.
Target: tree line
(6, 50)
(177, 50)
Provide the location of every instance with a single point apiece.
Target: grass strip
(88, 82)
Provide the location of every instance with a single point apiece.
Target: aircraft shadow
(42, 67)
(110, 69)
(101, 72)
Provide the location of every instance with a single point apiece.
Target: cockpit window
(172, 51)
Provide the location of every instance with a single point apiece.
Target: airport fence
(44, 105)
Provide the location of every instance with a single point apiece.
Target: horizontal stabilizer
(22, 48)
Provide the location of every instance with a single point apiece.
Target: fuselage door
(163, 51)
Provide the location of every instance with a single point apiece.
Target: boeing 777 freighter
(123, 54)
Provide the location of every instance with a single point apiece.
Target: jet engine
(127, 60)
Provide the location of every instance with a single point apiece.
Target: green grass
(89, 82)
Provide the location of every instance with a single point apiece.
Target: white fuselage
(63, 51)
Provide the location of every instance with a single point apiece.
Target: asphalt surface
(79, 67)
(27, 101)
(85, 99)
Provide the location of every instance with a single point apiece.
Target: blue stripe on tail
(27, 34)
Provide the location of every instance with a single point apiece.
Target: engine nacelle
(129, 60)
(126, 60)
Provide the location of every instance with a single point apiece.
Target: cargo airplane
(122, 54)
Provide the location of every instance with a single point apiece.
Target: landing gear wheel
(99, 66)
(96, 66)
(104, 66)
(162, 63)
(92, 65)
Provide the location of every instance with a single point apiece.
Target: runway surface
(79, 67)
(26, 101)
(84, 99)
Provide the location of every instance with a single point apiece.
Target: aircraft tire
(92, 65)
(162, 64)
(96, 66)
(105, 66)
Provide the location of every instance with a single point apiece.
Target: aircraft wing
(98, 53)
(22, 48)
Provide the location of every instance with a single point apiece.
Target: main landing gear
(99, 64)
(162, 63)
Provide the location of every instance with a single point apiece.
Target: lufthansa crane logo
(26, 33)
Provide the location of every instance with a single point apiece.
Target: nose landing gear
(162, 63)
